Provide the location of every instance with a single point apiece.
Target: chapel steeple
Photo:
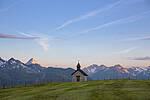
(78, 66)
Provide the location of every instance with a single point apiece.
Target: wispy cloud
(138, 38)
(139, 58)
(43, 40)
(7, 36)
(125, 51)
(10, 6)
(120, 21)
(89, 14)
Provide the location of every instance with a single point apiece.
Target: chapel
(79, 75)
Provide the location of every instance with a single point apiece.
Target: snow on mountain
(93, 68)
(12, 61)
(96, 72)
(31, 61)
(13, 64)
(117, 71)
(118, 68)
(137, 69)
(17, 72)
(146, 68)
(2, 61)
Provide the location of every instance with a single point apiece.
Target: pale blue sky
(95, 31)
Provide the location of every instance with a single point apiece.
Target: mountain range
(117, 72)
(15, 72)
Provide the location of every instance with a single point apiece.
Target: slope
(122, 89)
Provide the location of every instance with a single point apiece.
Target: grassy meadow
(121, 89)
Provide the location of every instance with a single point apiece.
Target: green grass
(123, 89)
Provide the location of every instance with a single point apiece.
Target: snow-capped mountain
(2, 61)
(116, 72)
(31, 61)
(13, 64)
(94, 68)
(17, 72)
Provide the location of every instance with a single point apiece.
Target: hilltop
(121, 89)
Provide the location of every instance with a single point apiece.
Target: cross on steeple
(78, 65)
(78, 61)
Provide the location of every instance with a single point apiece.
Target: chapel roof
(78, 69)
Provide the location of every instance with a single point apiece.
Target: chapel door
(78, 78)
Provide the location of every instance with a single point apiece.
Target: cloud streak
(7, 36)
(120, 21)
(125, 51)
(43, 40)
(138, 38)
(10, 6)
(89, 14)
(140, 58)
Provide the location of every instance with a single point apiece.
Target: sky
(60, 32)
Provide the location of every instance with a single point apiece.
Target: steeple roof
(78, 66)
(78, 69)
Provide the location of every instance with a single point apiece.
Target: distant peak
(103, 65)
(118, 65)
(31, 61)
(2, 59)
(11, 59)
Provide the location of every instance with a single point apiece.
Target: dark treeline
(11, 83)
(107, 77)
